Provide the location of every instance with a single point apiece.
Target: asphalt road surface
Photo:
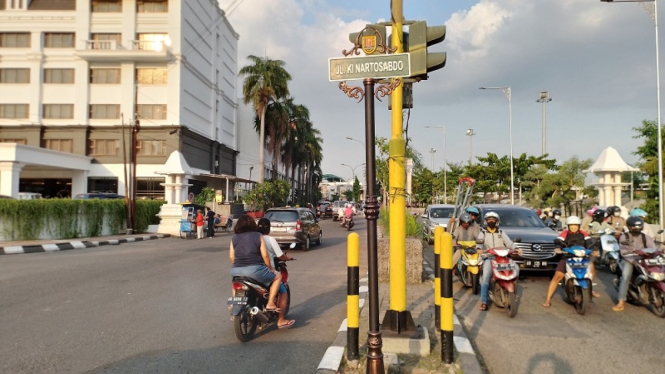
(160, 306)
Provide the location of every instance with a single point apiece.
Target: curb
(332, 359)
(77, 244)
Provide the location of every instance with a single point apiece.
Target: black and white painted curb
(332, 359)
(54, 247)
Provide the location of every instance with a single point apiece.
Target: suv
(537, 240)
(436, 215)
(336, 205)
(294, 225)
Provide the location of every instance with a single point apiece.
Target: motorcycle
(578, 280)
(469, 266)
(249, 300)
(503, 283)
(608, 246)
(347, 222)
(647, 285)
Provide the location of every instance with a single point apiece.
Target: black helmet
(610, 210)
(635, 224)
(599, 215)
(556, 212)
(263, 226)
(465, 218)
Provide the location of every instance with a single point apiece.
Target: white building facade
(72, 72)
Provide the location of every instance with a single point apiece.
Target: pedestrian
(199, 224)
(211, 222)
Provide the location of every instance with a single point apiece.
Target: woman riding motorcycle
(491, 237)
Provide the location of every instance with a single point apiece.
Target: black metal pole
(374, 343)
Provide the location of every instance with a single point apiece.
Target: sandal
(483, 307)
(287, 324)
(617, 308)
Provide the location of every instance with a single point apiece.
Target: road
(160, 306)
(557, 339)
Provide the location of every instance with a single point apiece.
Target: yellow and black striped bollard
(353, 290)
(446, 259)
(438, 232)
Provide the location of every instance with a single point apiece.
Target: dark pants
(211, 228)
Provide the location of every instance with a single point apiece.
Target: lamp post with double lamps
(355, 140)
(353, 171)
(506, 91)
(445, 181)
(653, 12)
(432, 151)
(470, 134)
(544, 98)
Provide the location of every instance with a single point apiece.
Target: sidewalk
(36, 246)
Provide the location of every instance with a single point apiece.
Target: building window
(106, 6)
(59, 111)
(150, 188)
(15, 40)
(150, 111)
(151, 75)
(59, 76)
(103, 184)
(152, 6)
(104, 111)
(105, 40)
(17, 141)
(14, 111)
(105, 76)
(59, 40)
(61, 145)
(152, 42)
(104, 147)
(14, 75)
(151, 148)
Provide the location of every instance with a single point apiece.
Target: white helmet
(494, 215)
(348, 205)
(573, 220)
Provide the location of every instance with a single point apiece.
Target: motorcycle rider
(598, 222)
(586, 221)
(554, 221)
(347, 213)
(473, 225)
(572, 236)
(491, 237)
(615, 220)
(463, 232)
(637, 212)
(630, 242)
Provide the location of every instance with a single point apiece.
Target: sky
(597, 60)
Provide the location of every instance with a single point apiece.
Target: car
(97, 195)
(324, 210)
(536, 239)
(294, 225)
(336, 205)
(29, 195)
(436, 215)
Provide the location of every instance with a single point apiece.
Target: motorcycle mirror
(480, 241)
(660, 231)
(293, 245)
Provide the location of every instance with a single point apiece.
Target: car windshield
(517, 217)
(282, 216)
(441, 213)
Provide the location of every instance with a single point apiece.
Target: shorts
(259, 273)
(282, 287)
(561, 267)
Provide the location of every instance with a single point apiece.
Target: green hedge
(66, 218)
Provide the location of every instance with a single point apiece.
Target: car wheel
(305, 246)
(319, 241)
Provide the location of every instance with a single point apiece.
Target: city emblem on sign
(369, 44)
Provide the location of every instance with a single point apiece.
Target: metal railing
(102, 44)
(148, 45)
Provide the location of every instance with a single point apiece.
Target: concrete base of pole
(398, 322)
(414, 343)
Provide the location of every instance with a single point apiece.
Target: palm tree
(266, 80)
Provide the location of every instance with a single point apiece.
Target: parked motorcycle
(578, 280)
(469, 266)
(608, 246)
(647, 284)
(249, 301)
(503, 283)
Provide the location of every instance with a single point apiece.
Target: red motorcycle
(647, 285)
(503, 283)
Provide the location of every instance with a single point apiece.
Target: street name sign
(375, 66)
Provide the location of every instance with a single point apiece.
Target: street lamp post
(445, 181)
(507, 91)
(470, 134)
(353, 170)
(654, 17)
(432, 151)
(544, 98)
(355, 140)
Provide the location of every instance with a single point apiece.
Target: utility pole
(470, 134)
(544, 98)
(128, 207)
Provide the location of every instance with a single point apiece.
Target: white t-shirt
(273, 248)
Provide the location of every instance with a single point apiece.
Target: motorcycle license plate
(238, 300)
(655, 261)
(504, 267)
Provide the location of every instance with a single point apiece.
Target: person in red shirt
(199, 224)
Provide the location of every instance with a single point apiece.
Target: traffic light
(420, 37)
(372, 36)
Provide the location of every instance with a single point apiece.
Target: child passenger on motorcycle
(571, 237)
(491, 237)
(630, 242)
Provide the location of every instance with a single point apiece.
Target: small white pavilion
(177, 173)
(608, 168)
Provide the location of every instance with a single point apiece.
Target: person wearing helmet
(570, 237)
(474, 213)
(629, 242)
(491, 237)
(463, 233)
(615, 220)
(598, 224)
(554, 222)
(586, 221)
(637, 212)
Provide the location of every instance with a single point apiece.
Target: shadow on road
(558, 364)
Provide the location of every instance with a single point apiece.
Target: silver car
(436, 215)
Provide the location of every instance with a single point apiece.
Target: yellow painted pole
(352, 295)
(396, 195)
(438, 243)
(447, 298)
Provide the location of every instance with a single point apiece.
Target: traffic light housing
(378, 31)
(420, 37)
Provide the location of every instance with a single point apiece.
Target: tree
(562, 187)
(265, 80)
(268, 193)
(648, 152)
(356, 190)
(382, 172)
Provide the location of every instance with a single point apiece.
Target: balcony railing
(102, 44)
(149, 45)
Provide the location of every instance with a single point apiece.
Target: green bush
(413, 229)
(146, 213)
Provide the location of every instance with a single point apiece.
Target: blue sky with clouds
(596, 59)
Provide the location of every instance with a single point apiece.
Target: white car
(436, 215)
